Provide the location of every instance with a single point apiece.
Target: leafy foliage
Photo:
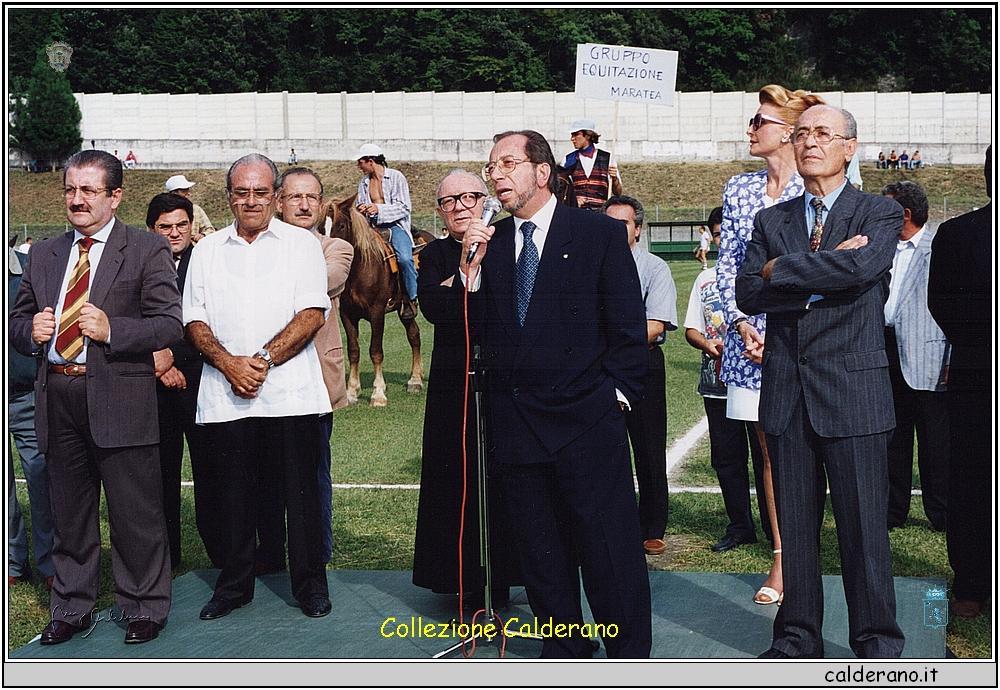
(477, 49)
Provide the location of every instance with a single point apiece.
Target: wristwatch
(266, 356)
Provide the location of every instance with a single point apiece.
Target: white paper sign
(621, 73)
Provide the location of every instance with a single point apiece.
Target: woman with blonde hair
(770, 133)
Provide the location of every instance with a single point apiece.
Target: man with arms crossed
(818, 265)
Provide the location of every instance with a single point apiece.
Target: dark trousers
(970, 515)
(578, 511)
(284, 450)
(729, 440)
(140, 558)
(647, 430)
(856, 469)
(177, 415)
(925, 412)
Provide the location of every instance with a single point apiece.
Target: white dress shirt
(247, 293)
(900, 264)
(94, 255)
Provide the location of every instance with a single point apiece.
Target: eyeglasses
(467, 199)
(297, 198)
(821, 135)
(505, 165)
(245, 196)
(759, 120)
(167, 229)
(88, 193)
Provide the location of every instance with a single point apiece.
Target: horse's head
(565, 193)
(347, 223)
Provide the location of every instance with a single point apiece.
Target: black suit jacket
(583, 337)
(831, 352)
(136, 286)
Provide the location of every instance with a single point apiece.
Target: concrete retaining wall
(195, 130)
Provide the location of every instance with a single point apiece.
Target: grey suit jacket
(922, 345)
(831, 352)
(135, 284)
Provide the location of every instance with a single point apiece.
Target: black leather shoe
(316, 605)
(773, 653)
(729, 542)
(57, 632)
(141, 631)
(219, 607)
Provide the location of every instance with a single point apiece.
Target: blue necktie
(527, 267)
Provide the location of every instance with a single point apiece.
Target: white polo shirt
(247, 293)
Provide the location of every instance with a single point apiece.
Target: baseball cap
(582, 124)
(368, 151)
(178, 182)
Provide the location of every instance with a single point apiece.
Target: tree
(47, 124)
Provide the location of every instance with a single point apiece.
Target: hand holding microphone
(491, 207)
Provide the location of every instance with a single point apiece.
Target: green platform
(695, 616)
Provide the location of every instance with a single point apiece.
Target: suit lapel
(793, 232)
(52, 280)
(838, 221)
(499, 270)
(553, 269)
(111, 261)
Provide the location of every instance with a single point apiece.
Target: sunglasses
(759, 120)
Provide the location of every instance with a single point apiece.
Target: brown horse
(565, 193)
(371, 291)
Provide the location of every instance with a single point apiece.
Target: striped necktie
(817, 231)
(525, 270)
(69, 342)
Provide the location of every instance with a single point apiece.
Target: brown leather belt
(68, 369)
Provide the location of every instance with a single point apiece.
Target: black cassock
(435, 558)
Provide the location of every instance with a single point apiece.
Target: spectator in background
(918, 368)
(893, 160)
(915, 161)
(178, 374)
(26, 247)
(701, 251)
(130, 161)
(647, 420)
(590, 168)
(21, 425)
(881, 163)
(384, 197)
(292, 158)
(745, 195)
(705, 330)
(904, 160)
(201, 225)
(959, 291)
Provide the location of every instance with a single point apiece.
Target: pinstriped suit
(825, 406)
(917, 351)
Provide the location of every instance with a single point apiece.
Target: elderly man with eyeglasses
(93, 305)
(818, 266)
(255, 296)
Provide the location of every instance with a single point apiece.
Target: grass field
(374, 528)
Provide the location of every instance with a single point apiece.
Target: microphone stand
(477, 378)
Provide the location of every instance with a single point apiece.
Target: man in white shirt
(262, 394)
(918, 368)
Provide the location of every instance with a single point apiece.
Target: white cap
(368, 151)
(582, 124)
(178, 182)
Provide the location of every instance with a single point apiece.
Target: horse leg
(354, 358)
(379, 398)
(416, 383)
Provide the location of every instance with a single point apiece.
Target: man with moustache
(556, 294)
(818, 266)
(299, 202)
(178, 373)
(94, 304)
(254, 299)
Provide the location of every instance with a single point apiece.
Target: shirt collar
(99, 236)
(276, 228)
(917, 236)
(542, 218)
(829, 200)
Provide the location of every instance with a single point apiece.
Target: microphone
(491, 207)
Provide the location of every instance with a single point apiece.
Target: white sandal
(773, 597)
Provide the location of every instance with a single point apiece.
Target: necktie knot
(817, 204)
(527, 227)
(86, 243)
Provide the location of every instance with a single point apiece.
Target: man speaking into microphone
(556, 295)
